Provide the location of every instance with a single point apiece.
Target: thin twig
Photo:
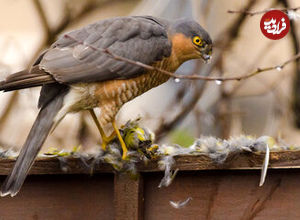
(52, 33)
(251, 13)
(180, 76)
(226, 40)
(263, 52)
(50, 36)
(165, 127)
(267, 89)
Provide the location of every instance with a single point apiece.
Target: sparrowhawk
(75, 76)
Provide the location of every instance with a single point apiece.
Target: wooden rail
(51, 165)
(229, 189)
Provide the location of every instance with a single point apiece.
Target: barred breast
(111, 95)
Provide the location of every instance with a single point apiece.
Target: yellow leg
(123, 145)
(105, 139)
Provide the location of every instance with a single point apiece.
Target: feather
(33, 144)
(74, 59)
(25, 79)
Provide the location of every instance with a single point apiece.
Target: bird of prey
(75, 75)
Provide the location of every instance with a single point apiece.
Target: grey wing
(73, 58)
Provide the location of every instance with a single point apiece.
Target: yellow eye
(197, 40)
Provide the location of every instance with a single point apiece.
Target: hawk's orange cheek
(183, 48)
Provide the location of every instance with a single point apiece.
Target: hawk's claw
(106, 140)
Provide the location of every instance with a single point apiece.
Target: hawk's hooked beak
(206, 57)
(206, 54)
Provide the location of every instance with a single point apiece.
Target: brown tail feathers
(25, 79)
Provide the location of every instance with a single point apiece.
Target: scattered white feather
(166, 164)
(180, 204)
(265, 166)
(217, 149)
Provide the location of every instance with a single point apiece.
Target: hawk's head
(190, 40)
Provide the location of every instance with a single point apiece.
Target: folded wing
(74, 57)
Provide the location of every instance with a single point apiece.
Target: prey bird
(76, 75)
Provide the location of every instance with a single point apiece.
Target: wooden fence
(228, 191)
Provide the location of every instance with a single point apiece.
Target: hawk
(75, 74)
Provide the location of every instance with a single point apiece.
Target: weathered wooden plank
(61, 197)
(216, 194)
(285, 159)
(53, 166)
(128, 197)
(219, 195)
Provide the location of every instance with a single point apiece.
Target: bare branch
(251, 13)
(50, 36)
(180, 76)
(226, 39)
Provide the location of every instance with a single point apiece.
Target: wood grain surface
(218, 191)
(44, 165)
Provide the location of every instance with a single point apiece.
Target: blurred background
(179, 110)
